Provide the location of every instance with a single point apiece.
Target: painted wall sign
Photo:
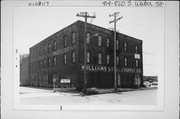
(130, 70)
(65, 81)
(137, 56)
(96, 68)
(109, 69)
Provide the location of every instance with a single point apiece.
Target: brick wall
(41, 74)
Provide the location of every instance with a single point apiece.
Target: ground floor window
(88, 57)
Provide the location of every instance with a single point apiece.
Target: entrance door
(137, 80)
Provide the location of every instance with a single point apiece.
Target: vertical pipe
(115, 83)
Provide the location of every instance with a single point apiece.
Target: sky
(33, 24)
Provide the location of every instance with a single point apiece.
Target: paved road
(33, 96)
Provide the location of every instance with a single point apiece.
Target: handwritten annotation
(38, 3)
(140, 3)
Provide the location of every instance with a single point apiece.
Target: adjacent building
(61, 57)
(24, 70)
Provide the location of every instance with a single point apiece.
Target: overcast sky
(32, 25)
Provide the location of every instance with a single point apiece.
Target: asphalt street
(35, 96)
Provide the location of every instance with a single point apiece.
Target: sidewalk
(73, 90)
(102, 91)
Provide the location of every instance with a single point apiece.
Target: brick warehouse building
(61, 56)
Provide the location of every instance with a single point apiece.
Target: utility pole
(85, 15)
(115, 20)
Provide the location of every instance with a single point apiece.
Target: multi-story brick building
(61, 56)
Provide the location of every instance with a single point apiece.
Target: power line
(150, 64)
(149, 53)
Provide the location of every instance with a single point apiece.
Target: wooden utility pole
(85, 15)
(115, 20)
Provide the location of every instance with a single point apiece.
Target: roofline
(47, 38)
(111, 30)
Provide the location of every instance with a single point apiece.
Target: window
(31, 54)
(44, 49)
(88, 38)
(40, 49)
(49, 47)
(99, 58)
(74, 27)
(107, 59)
(125, 61)
(108, 42)
(65, 42)
(35, 52)
(73, 57)
(117, 60)
(99, 41)
(41, 63)
(137, 63)
(54, 61)
(117, 44)
(73, 40)
(54, 45)
(125, 46)
(49, 62)
(88, 57)
(44, 62)
(136, 49)
(65, 58)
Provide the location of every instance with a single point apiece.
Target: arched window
(73, 57)
(73, 40)
(107, 59)
(108, 42)
(99, 58)
(54, 61)
(117, 44)
(49, 61)
(65, 58)
(49, 47)
(117, 60)
(88, 38)
(137, 63)
(88, 57)
(125, 61)
(136, 49)
(99, 41)
(55, 45)
(125, 46)
(65, 42)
